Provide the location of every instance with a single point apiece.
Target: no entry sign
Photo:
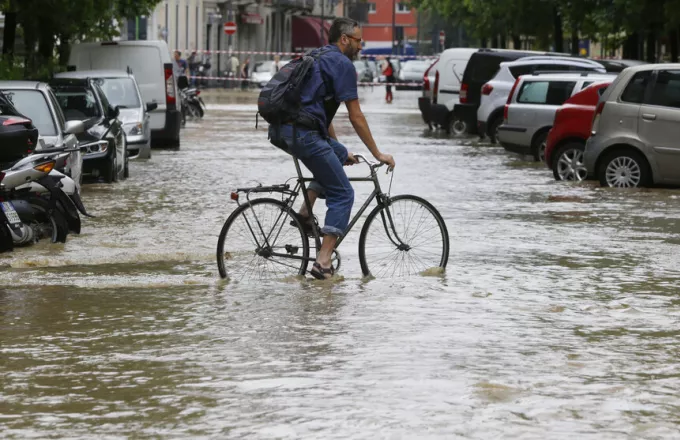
(230, 28)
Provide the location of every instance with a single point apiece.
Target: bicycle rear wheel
(262, 240)
(407, 236)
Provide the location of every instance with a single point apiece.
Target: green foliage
(53, 25)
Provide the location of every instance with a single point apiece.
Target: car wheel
(568, 163)
(493, 129)
(624, 169)
(538, 147)
(456, 126)
(111, 172)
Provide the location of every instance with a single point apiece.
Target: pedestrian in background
(180, 66)
(234, 69)
(245, 70)
(193, 67)
(388, 71)
(276, 65)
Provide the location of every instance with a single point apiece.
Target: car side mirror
(114, 112)
(151, 106)
(74, 127)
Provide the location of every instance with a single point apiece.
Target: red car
(567, 138)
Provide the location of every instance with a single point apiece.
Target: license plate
(10, 213)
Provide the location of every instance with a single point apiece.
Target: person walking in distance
(234, 70)
(245, 71)
(276, 65)
(331, 81)
(388, 71)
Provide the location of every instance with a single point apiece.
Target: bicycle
(267, 238)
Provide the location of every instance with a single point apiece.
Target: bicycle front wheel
(407, 236)
(262, 240)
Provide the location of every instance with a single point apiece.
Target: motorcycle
(192, 103)
(38, 201)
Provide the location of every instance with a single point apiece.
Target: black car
(84, 100)
(481, 68)
(18, 135)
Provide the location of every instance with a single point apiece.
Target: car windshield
(78, 103)
(120, 92)
(33, 104)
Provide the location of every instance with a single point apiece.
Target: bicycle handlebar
(361, 157)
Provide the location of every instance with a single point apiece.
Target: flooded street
(557, 315)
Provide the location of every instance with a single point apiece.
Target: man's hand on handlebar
(387, 159)
(351, 160)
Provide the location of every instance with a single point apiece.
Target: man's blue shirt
(340, 77)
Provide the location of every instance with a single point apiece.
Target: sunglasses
(354, 38)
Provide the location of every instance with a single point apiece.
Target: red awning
(307, 32)
(248, 18)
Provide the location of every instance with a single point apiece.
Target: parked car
(364, 73)
(530, 109)
(122, 91)
(616, 66)
(634, 136)
(18, 135)
(495, 92)
(411, 74)
(151, 65)
(482, 66)
(84, 100)
(570, 131)
(262, 72)
(37, 102)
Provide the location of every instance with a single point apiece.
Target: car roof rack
(580, 72)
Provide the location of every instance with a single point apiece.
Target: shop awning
(248, 18)
(307, 32)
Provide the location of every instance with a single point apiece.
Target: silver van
(152, 67)
(531, 106)
(636, 127)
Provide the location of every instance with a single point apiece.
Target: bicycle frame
(377, 194)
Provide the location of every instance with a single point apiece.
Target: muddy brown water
(557, 315)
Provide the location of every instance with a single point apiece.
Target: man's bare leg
(326, 251)
(313, 195)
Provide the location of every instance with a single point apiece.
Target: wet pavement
(557, 315)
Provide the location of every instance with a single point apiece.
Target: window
(403, 8)
(482, 68)
(120, 91)
(371, 8)
(601, 91)
(518, 71)
(586, 84)
(666, 91)
(77, 103)
(545, 92)
(33, 105)
(635, 90)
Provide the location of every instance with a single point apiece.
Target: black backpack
(280, 101)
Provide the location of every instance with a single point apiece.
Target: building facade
(381, 15)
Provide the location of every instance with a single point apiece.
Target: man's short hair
(178, 53)
(341, 26)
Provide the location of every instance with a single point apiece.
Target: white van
(446, 89)
(151, 65)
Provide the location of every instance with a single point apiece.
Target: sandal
(306, 222)
(320, 273)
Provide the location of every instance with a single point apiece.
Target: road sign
(442, 38)
(230, 28)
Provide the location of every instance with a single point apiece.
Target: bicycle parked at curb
(263, 238)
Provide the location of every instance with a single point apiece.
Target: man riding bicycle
(333, 80)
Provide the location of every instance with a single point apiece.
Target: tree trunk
(574, 39)
(9, 35)
(673, 43)
(651, 46)
(484, 43)
(558, 34)
(630, 47)
(516, 42)
(503, 42)
(494, 41)
(64, 49)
